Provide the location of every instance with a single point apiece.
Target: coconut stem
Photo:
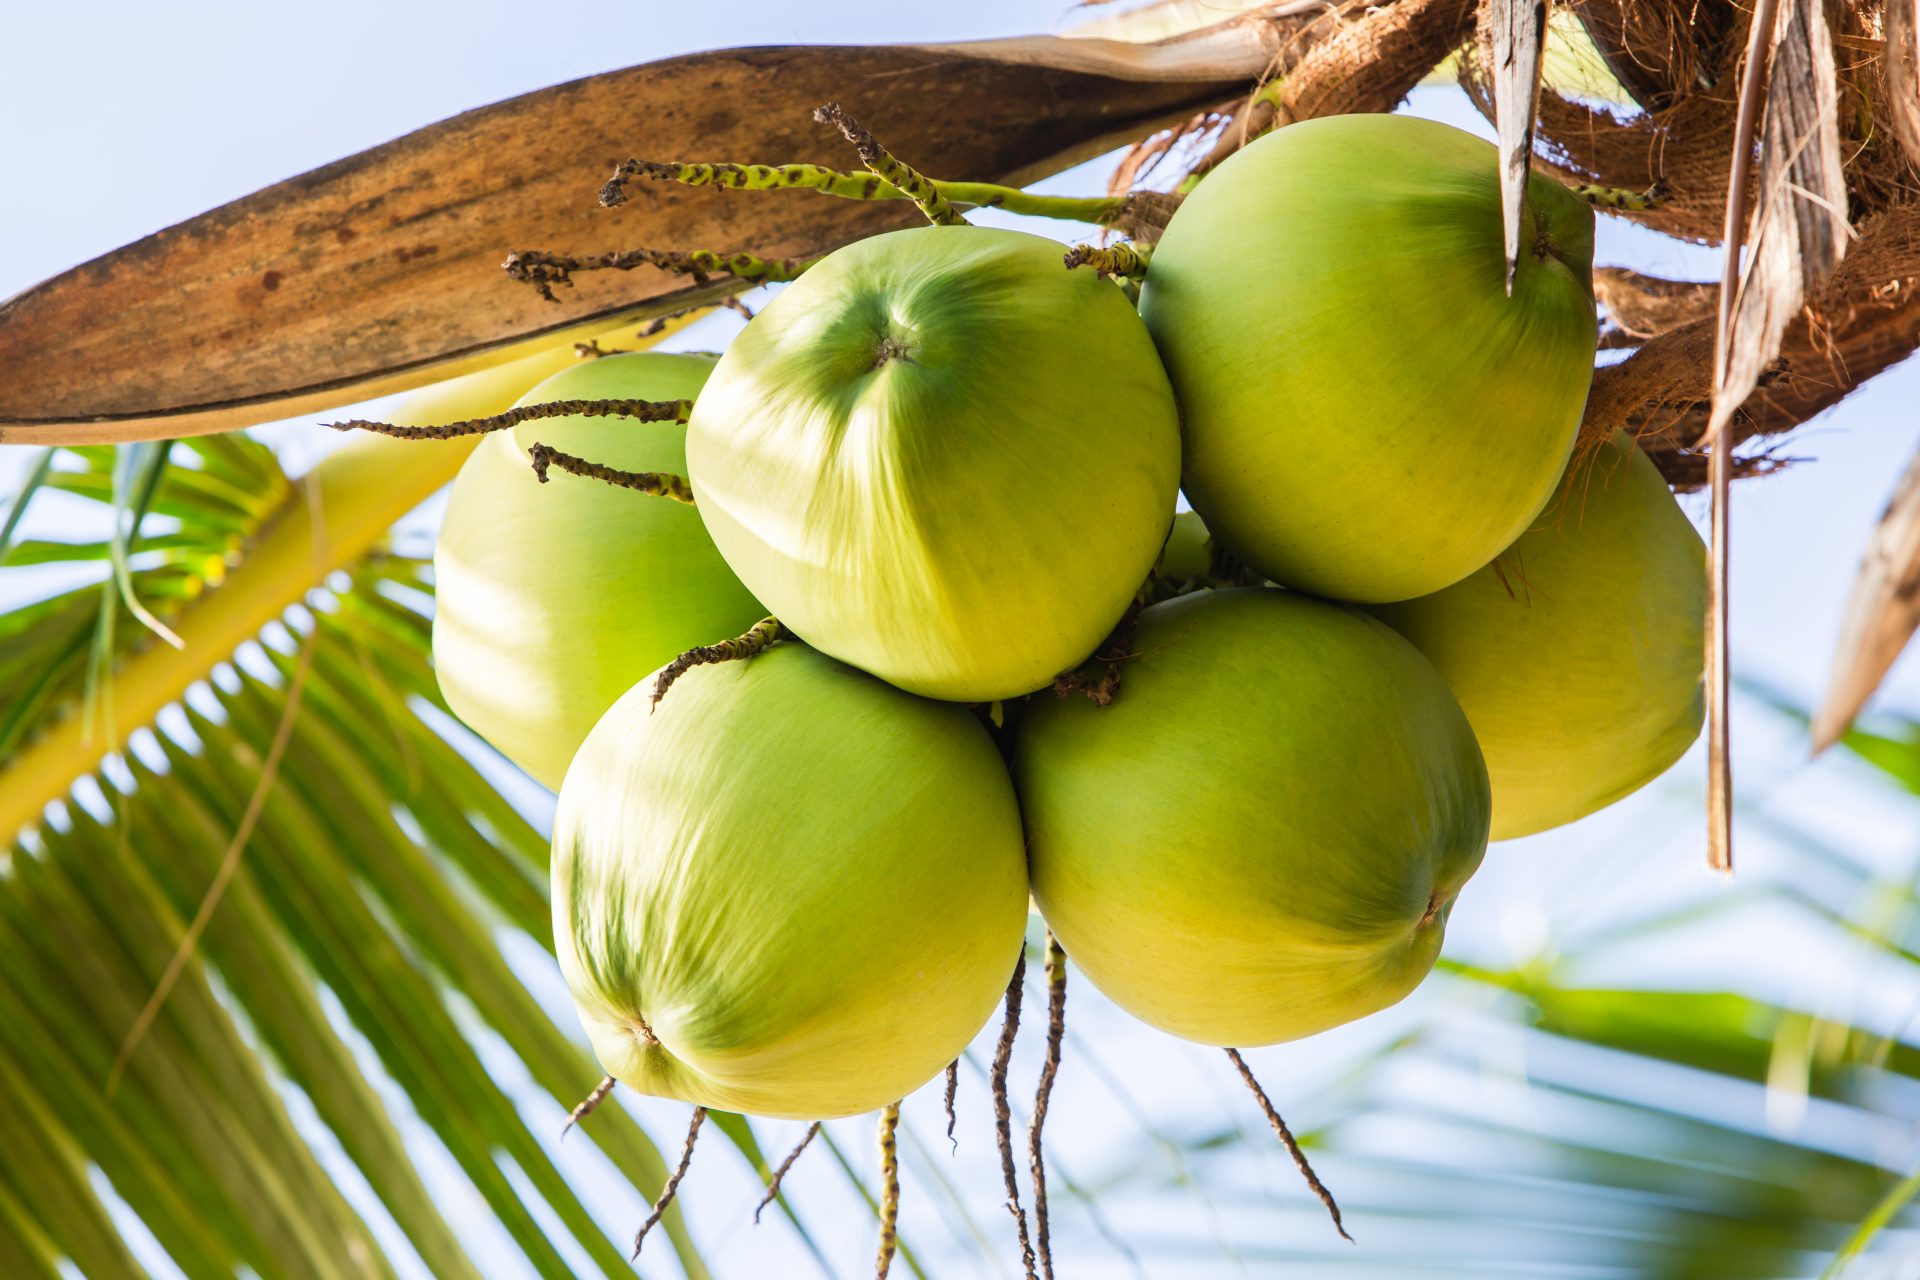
(1056, 1032)
(544, 271)
(761, 635)
(889, 1190)
(1293, 1148)
(1098, 210)
(891, 170)
(1622, 198)
(1003, 1111)
(639, 410)
(1103, 688)
(779, 1174)
(585, 1106)
(1128, 261)
(656, 484)
(672, 1188)
(953, 1088)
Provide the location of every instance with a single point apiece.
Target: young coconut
(1577, 655)
(553, 600)
(1367, 414)
(1262, 836)
(943, 458)
(788, 889)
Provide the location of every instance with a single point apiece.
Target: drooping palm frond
(374, 869)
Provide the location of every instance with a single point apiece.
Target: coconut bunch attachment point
(895, 622)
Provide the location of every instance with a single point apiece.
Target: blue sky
(122, 118)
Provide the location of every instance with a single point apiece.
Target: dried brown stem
(760, 636)
(1286, 1140)
(585, 1106)
(1003, 1110)
(1112, 658)
(656, 484)
(638, 410)
(953, 1088)
(780, 1173)
(668, 1192)
(889, 1190)
(1049, 1069)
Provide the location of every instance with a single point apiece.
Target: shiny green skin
(1263, 834)
(942, 457)
(553, 599)
(1367, 415)
(1578, 654)
(809, 885)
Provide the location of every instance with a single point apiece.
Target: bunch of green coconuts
(796, 884)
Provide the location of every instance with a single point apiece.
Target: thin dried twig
(585, 1107)
(755, 639)
(953, 1088)
(655, 484)
(638, 410)
(780, 1173)
(1050, 1068)
(1286, 1140)
(1003, 1111)
(672, 1188)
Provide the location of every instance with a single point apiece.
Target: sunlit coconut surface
(1160, 1165)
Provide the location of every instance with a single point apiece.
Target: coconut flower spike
(676, 411)
(891, 170)
(780, 1172)
(761, 636)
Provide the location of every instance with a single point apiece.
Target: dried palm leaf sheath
(382, 271)
(1883, 611)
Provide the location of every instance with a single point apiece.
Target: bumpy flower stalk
(1003, 1111)
(668, 1192)
(889, 1190)
(638, 410)
(656, 484)
(1622, 198)
(780, 1174)
(1286, 1140)
(1036, 1159)
(895, 172)
(953, 1088)
(1128, 261)
(544, 271)
(760, 636)
(586, 1105)
(850, 185)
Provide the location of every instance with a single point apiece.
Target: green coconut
(1261, 837)
(790, 889)
(1367, 414)
(943, 458)
(1578, 654)
(1188, 553)
(553, 599)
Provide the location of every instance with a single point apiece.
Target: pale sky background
(119, 118)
